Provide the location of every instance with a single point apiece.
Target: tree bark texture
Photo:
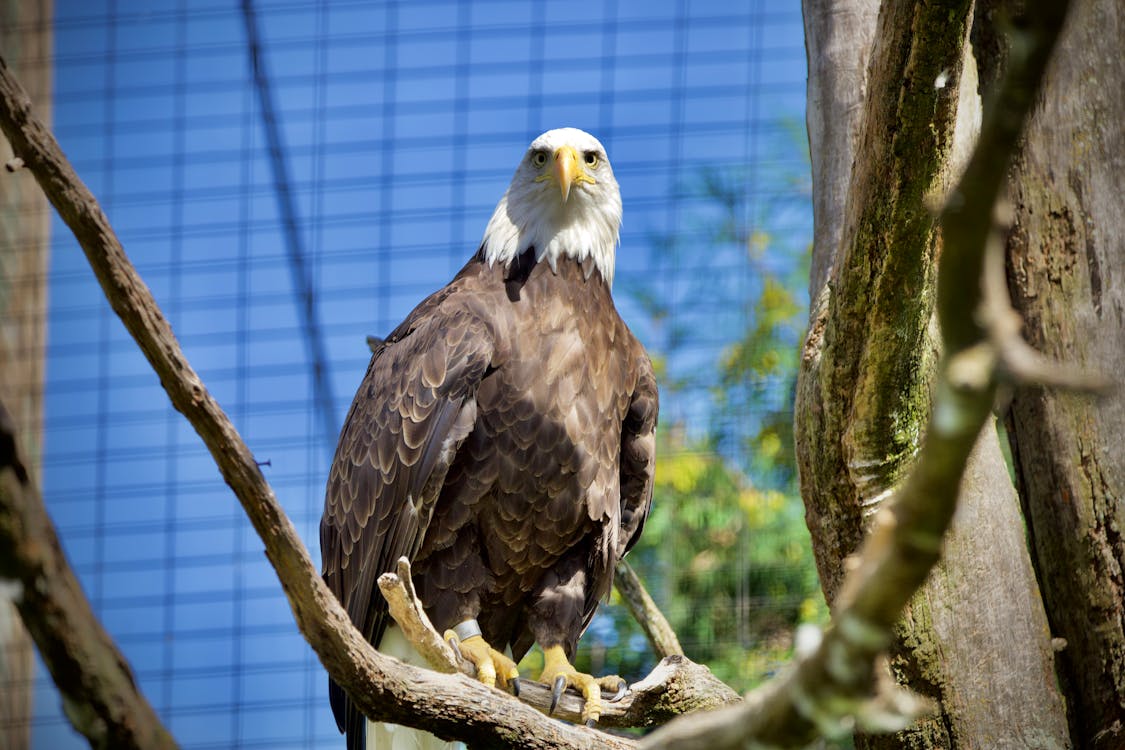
(838, 39)
(863, 387)
(1067, 279)
(26, 38)
(99, 692)
(981, 636)
(975, 639)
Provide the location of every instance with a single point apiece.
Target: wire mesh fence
(292, 176)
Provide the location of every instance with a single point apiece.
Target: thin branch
(677, 685)
(99, 693)
(836, 689)
(406, 609)
(1019, 363)
(659, 632)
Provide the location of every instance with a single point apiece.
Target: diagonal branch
(660, 634)
(99, 694)
(451, 706)
(1019, 363)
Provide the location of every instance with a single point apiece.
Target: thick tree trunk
(1067, 278)
(975, 639)
(838, 41)
(26, 38)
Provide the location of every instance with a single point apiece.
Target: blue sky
(402, 125)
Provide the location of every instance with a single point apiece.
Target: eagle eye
(538, 158)
(591, 159)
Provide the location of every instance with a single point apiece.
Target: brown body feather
(502, 439)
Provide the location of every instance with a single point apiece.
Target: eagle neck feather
(582, 230)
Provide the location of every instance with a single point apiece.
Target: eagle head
(563, 201)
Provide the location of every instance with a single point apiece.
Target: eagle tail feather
(391, 736)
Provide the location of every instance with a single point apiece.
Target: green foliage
(725, 552)
(732, 561)
(729, 563)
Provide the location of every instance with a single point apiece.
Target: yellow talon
(492, 666)
(560, 674)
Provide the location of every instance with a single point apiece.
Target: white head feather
(580, 220)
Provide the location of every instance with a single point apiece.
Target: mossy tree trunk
(1067, 278)
(976, 638)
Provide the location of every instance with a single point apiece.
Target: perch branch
(451, 706)
(406, 609)
(677, 685)
(100, 696)
(837, 689)
(660, 634)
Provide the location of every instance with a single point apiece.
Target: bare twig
(677, 684)
(645, 612)
(1019, 363)
(99, 693)
(406, 609)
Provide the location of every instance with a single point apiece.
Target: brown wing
(637, 467)
(414, 408)
(638, 455)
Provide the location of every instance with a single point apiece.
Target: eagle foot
(493, 668)
(560, 674)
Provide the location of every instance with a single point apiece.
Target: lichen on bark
(865, 379)
(1065, 258)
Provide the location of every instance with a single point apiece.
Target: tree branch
(659, 632)
(99, 694)
(1019, 363)
(406, 609)
(677, 685)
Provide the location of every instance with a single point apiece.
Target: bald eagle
(502, 438)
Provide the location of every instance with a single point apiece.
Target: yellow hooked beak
(568, 170)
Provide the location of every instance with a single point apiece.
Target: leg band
(467, 629)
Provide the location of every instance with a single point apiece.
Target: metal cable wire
(304, 295)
